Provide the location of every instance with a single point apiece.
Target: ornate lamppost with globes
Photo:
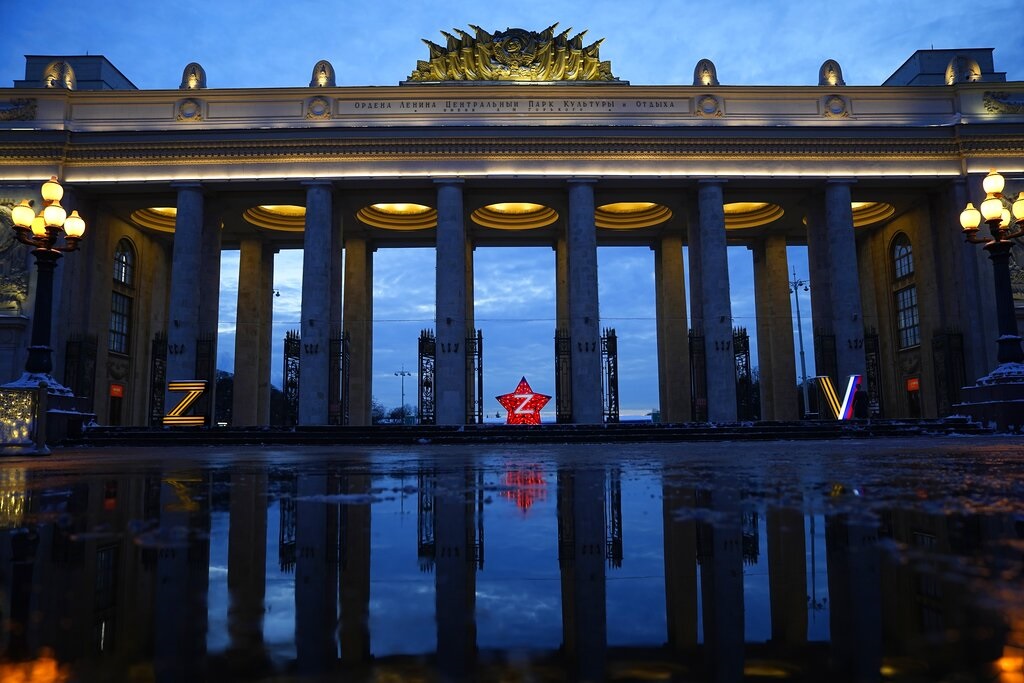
(1004, 226)
(43, 231)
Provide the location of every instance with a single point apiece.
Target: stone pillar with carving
(314, 357)
(717, 306)
(450, 362)
(584, 318)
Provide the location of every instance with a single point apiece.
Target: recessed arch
(515, 216)
(398, 216)
(743, 215)
(631, 215)
(281, 217)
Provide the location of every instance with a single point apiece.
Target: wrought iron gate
(744, 380)
(292, 351)
(157, 378)
(563, 377)
(698, 377)
(873, 370)
(610, 376)
(474, 378)
(338, 377)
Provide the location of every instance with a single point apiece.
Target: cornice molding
(526, 148)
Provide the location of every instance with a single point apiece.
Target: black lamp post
(42, 231)
(403, 373)
(795, 285)
(1004, 228)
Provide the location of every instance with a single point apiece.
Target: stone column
(314, 360)
(775, 353)
(266, 338)
(251, 392)
(853, 560)
(358, 315)
(847, 321)
(247, 572)
(584, 321)
(450, 362)
(354, 626)
(680, 539)
(721, 575)
(562, 283)
(717, 306)
(186, 294)
(673, 336)
(787, 576)
(581, 495)
(455, 574)
(316, 576)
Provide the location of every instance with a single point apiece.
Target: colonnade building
(871, 179)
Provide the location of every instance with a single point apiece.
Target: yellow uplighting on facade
(869, 213)
(159, 218)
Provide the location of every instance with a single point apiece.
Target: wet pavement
(807, 561)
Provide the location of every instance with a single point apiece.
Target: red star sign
(523, 404)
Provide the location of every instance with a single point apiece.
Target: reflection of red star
(523, 405)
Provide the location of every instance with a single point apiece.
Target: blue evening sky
(261, 44)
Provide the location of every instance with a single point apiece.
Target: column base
(997, 399)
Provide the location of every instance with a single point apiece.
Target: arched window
(121, 297)
(124, 263)
(908, 323)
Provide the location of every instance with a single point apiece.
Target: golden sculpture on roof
(513, 55)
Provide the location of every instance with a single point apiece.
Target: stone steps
(548, 433)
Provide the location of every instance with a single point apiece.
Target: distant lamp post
(1004, 226)
(796, 286)
(43, 231)
(403, 373)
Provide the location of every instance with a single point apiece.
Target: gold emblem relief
(708, 106)
(190, 110)
(318, 109)
(513, 55)
(836, 107)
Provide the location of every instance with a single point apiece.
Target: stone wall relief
(14, 271)
(20, 109)
(323, 75)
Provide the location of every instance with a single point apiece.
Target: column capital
(317, 182)
(186, 185)
(840, 181)
(581, 181)
(712, 181)
(449, 181)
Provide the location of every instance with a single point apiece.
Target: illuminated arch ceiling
(742, 215)
(631, 215)
(398, 216)
(869, 213)
(281, 217)
(515, 216)
(159, 218)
